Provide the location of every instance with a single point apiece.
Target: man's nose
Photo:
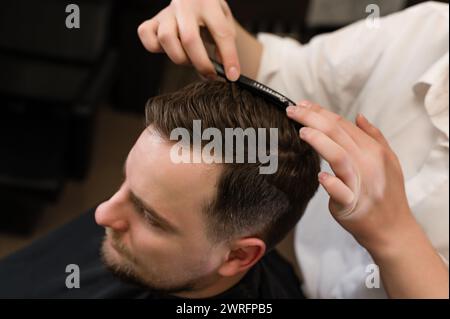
(113, 212)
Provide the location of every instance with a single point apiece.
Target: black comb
(258, 88)
(281, 101)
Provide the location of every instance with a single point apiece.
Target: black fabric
(39, 271)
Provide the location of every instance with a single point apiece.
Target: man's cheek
(151, 254)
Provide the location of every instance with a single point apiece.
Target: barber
(390, 192)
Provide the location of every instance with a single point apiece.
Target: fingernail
(322, 176)
(305, 104)
(291, 109)
(233, 73)
(304, 131)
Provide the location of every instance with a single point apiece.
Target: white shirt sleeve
(333, 68)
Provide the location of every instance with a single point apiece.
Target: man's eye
(145, 214)
(149, 219)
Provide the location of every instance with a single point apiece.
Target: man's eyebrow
(141, 204)
(157, 217)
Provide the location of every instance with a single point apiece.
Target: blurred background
(72, 100)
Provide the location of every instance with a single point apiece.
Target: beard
(126, 268)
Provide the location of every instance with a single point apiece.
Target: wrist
(409, 265)
(397, 240)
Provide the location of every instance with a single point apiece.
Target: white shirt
(397, 76)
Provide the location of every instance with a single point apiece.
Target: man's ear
(244, 253)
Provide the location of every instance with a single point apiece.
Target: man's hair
(247, 203)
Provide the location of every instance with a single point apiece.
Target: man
(193, 229)
(389, 211)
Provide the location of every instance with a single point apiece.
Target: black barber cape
(39, 271)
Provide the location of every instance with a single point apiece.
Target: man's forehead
(153, 152)
(153, 174)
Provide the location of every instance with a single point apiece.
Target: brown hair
(247, 203)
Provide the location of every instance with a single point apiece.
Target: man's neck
(218, 287)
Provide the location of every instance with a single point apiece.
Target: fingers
(308, 115)
(334, 154)
(147, 34)
(226, 9)
(176, 31)
(371, 130)
(189, 32)
(352, 131)
(168, 38)
(224, 37)
(337, 190)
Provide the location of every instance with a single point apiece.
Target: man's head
(180, 227)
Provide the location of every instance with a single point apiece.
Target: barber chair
(52, 79)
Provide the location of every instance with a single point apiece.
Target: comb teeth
(265, 92)
(259, 87)
(268, 90)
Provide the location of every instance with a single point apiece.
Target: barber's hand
(176, 31)
(367, 194)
